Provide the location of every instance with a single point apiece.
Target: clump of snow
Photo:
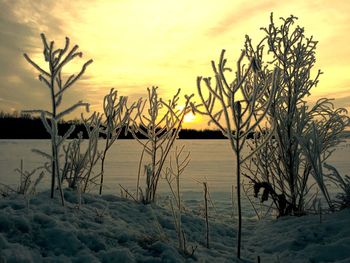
(111, 229)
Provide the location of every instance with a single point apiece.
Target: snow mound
(112, 229)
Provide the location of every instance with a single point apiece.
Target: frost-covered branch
(56, 59)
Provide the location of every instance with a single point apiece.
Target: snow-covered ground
(112, 229)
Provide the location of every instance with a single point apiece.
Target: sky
(136, 44)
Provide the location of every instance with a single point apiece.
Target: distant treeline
(13, 126)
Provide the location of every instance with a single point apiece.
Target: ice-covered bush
(343, 182)
(238, 106)
(52, 77)
(79, 164)
(28, 182)
(160, 125)
(304, 134)
(117, 117)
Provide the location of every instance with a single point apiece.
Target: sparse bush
(117, 116)
(27, 184)
(52, 77)
(29, 181)
(160, 131)
(78, 169)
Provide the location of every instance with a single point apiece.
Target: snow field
(112, 229)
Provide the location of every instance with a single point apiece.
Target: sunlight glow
(189, 117)
(137, 44)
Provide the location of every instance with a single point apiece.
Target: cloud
(240, 14)
(21, 22)
(340, 96)
(164, 45)
(343, 102)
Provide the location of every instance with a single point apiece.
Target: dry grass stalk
(206, 213)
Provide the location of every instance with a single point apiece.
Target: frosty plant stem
(243, 104)
(117, 116)
(205, 185)
(52, 79)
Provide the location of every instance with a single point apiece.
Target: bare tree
(52, 78)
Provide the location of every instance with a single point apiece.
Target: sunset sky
(136, 44)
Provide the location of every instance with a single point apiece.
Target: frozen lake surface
(211, 161)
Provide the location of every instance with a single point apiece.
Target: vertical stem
(57, 168)
(233, 202)
(139, 174)
(206, 212)
(238, 172)
(103, 159)
(53, 164)
(154, 174)
(53, 133)
(178, 188)
(53, 161)
(21, 182)
(102, 172)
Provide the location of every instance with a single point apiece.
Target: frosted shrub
(303, 135)
(52, 78)
(79, 164)
(238, 106)
(117, 115)
(92, 126)
(343, 182)
(319, 140)
(259, 171)
(160, 125)
(28, 182)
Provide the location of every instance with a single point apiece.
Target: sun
(189, 117)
